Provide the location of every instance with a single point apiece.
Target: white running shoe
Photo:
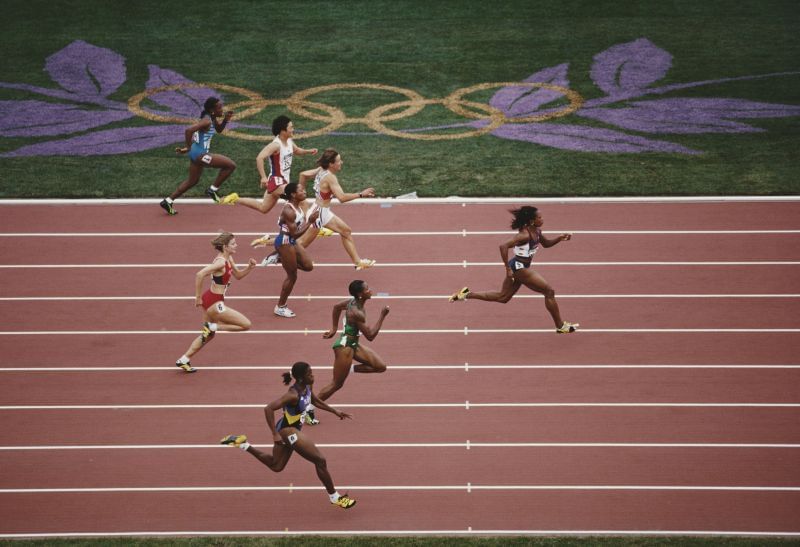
(283, 311)
(365, 263)
(271, 259)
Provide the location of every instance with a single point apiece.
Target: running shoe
(271, 259)
(207, 334)
(233, 440)
(460, 295)
(230, 199)
(344, 501)
(187, 367)
(567, 328)
(261, 241)
(167, 206)
(325, 232)
(283, 311)
(213, 195)
(309, 418)
(365, 263)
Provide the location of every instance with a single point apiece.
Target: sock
(244, 446)
(213, 188)
(352, 368)
(334, 497)
(213, 327)
(168, 200)
(183, 360)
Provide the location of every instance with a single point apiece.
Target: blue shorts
(284, 239)
(517, 263)
(282, 423)
(198, 152)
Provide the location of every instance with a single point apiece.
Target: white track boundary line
(467, 488)
(465, 331)
(466, 533)
(467, 445)
(466, 367)
(380, 296)
(466, 405)
(462, 264)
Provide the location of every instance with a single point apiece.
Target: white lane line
(468, 445)
(379, 296)
(465, 405)
(460, 368)
(462, 264)
(391, 488)
(463, 331)
(457, 233)
(430, 532)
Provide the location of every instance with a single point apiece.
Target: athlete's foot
(233, 440)
(230, 199)
(309, 418)
(167, 206)
(187, 366)
(365, 263)
(344, 501)
(460, 295)
(271, 259)
(567, 328)
(325, 232)
(261, 241)
(283, 311)
(213, 195)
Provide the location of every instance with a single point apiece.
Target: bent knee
(247, 324)
(504, 299)
(379, 367)
(346, 233)
(549, 292)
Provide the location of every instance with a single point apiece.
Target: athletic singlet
(324, 196)
(349, 328)
(299, 219)
(529, 248)
(280, 163)
(225, 278)
(293, 414)
(203, 137)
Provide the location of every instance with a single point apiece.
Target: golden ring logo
(376, 118)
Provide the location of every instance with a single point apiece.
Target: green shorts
(346, 341)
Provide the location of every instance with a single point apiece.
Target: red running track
(674, 410)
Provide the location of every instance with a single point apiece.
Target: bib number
(206, 158)
(219, 306)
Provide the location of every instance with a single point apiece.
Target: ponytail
(299, 371)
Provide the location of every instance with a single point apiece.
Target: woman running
(291, 225)
(287, 434)
(326, 187)
(281, 152)
(347, 347)
(518, 272)
(216, 315)
(198, 143)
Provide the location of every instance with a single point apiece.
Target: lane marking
(465, 445)
(310, 297)
(462, 264)
(465, 368)
(392, 488)
(461, 331)
(465, 405)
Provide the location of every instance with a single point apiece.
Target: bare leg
(194, 175)
(536, 282)
(288, 256)
(370, 361)
(226, 168)
(338, 225)
(507, 290)
(341, 369)
(265, 204)
(275, 461)
(308, 450)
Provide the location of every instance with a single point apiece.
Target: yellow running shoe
(365, 263)
(344, 501)
(187, 367)
(230, 199)
(325, 232)
(567, 328)
(460, 295)
(233, 440)
(266, 239)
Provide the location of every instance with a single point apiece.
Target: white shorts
(325, 215)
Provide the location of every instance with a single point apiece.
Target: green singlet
(349, 337)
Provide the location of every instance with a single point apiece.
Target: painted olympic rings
(376, 118)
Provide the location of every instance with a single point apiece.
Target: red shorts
(210, 298)
(273, 183)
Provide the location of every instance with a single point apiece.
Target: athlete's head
(523, 216)
(301, 372)
(210, 106)
(293, 189)
(329, 157)
(281, 123)
(359, 289)
(223, 239)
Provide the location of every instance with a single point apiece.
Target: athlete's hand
(251, 263)
(228, 115)
(343, 415)
(264, 182)
(181, 150)
(385, 311)
(566, 237)
(277, 438)
(313, 151)
(198, 302)
(509, 272)
(367, 193)
(328, 334)
(314, 215)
